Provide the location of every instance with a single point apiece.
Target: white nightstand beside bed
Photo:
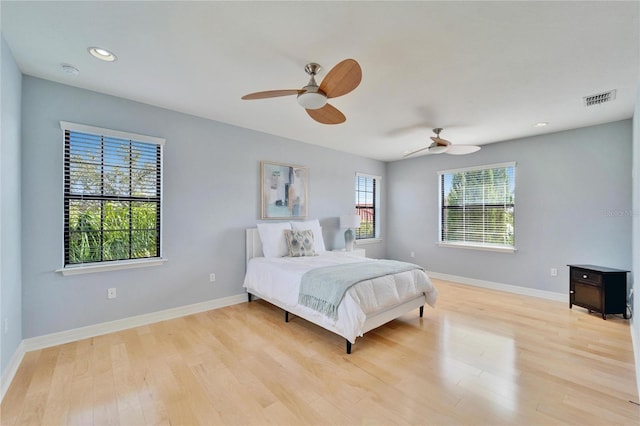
(356, 252)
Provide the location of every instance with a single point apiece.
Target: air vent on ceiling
(599, 98)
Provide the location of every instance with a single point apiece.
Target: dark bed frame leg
(348, 347)
(421, 311)
(286, 316)
(249, 297)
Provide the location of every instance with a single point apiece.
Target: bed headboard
(254, 244)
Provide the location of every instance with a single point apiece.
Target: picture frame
(284, 191)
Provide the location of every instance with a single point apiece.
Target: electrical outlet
(413, 254)
(212, 277)
(554, 272)
(111, 293)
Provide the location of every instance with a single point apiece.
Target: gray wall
(211, 194)
(10, 242)
(573, 195)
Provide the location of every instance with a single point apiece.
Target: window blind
(477, 206)
(112, 198)
(366, 206)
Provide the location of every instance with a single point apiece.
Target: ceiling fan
(340, 80)
(440, 145)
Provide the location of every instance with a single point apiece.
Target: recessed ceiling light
(104, 54)
(70, 69)
(541, 124)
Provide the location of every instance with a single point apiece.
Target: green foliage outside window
(115, 239)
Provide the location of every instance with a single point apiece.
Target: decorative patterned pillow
(300, 243)
(314, 225)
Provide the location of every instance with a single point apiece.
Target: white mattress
(279, 279)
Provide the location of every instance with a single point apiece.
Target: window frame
(107, 265)
(376, 207)
(475, 245)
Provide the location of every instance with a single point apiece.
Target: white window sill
(110, 266)
(471, 246)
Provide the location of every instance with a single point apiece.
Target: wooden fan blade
(342, 79)
(462, 149)
(415, 152)
(270, 94)
(328, 114)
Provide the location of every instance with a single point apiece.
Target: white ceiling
(485, 71)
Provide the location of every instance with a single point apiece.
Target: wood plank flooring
(481, 357)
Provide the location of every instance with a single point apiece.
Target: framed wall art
(284, 191)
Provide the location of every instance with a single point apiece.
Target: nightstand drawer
(587, 277)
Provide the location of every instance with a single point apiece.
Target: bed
(277, 278)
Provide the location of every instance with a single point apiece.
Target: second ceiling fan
(340, 80)
(439, 146)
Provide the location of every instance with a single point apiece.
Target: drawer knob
(585, 276)
(571, 292)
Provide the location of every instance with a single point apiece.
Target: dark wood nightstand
(599, 289)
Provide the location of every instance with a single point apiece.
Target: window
(368, 206)
(112, 195)
(477, 207)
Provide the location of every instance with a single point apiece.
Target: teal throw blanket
(323, 289)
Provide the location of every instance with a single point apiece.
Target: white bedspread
(279, 279)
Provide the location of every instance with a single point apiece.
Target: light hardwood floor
(481, 357)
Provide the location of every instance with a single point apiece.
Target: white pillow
(274, 244)
(314, 225)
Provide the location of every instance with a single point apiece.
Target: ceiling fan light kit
(312, 97)
(434, 148)
(312, 100)
(340, 80)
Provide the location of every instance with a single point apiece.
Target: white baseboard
(526, 291)
(11, 370)
(53, 339)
